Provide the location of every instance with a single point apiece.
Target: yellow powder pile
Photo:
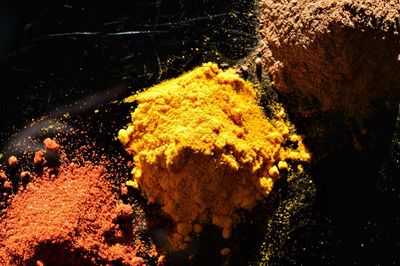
(203, 148)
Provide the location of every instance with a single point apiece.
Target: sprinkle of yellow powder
(282, 165)
(132, 183)
(203, 148)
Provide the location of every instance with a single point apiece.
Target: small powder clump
(39, 157)
(203, 148)
(51, 145)
(12, 161)
(68, 216)
(3, 176)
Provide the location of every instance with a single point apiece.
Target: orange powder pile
(68, 216)
(203, 148)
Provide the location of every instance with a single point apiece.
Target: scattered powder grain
(203, 148)
(3, 176)
(39, 157)
(26, 175)
(12, 161)
(7, 185)
(51, 145)
(225, 251)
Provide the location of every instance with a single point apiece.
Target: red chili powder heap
(68, 216)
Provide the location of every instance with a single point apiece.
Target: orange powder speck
(51, 145)
(39, 157)
(3, 176)
(12, 161)
(203, 148)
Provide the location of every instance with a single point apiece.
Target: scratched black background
(55, 52)
(54, 55)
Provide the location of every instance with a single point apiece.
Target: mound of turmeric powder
(203, 148)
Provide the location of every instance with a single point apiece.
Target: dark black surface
(53, 53)
(64, 56)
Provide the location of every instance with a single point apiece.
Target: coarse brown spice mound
(203, 148)
(343, 53)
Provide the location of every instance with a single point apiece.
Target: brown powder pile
(344, 53)
(68, 216)
(203, 148)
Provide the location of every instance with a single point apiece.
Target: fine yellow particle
(282, 165)
(295, 138)
(131, 183)
(203, 148)
(273, 171)
(266, 184)
(281, 113)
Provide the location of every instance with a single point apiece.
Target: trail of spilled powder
(203, 148)
(68, 215)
